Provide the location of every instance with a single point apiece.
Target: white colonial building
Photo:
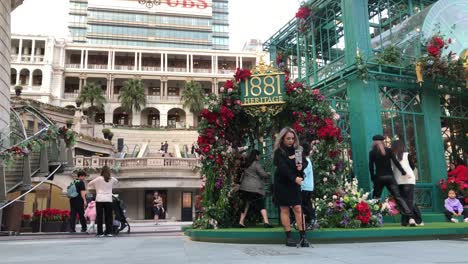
(54, 71)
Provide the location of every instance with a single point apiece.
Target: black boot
(304, 242)
(290, 242)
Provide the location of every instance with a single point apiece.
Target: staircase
(27, 125)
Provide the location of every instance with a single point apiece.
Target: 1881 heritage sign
(263, 89)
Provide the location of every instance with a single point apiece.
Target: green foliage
(362, 70)
(193, 97)
(391, 55)
(93, 95)
(132, 95)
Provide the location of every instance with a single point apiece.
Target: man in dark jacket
(78, 203)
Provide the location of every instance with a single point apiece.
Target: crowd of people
(392, 168)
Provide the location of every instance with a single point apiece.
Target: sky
(248, 19)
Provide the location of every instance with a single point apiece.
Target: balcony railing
(202, 70)
(124, 67)
(135, 163)
(70, 95)
(173, 98)
(226, 71)
(72, 65)
(177, 69)
(151, 68)
(97, 66)
(154, 98)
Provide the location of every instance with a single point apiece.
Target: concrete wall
(5, 43)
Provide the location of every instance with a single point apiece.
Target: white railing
(70, 95)
(151, 68)
(173, 98)
(224, 71)
(154, 98)
(202, 70)
(97, 66)
(177, 69)
(72, 65)
(124, 67)
(135, 163)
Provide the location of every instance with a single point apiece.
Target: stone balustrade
(135, 163)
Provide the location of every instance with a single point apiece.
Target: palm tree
(193, 98)
(93, 95)
(132, 95)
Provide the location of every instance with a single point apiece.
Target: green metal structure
(431, 118)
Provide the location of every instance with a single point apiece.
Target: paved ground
(171, 248)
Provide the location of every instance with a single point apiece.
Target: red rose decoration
(303, 12)
(241, 75)
(433, 50)
(229, 84)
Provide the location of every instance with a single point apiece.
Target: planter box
(49, 226)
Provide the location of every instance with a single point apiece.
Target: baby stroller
(120, 220)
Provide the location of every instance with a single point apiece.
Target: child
(454, 208)
(307, 188)
(90, 213)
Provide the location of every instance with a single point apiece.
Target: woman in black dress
(288, 180)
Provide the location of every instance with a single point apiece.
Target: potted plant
(110, 136)
(53, 220)
(18, 90)
(106, 132)
(69, 123)
(78, 102)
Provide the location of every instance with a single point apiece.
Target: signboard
(185, 7)
(263, 89)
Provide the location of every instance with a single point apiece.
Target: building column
(216, 64)
(108, 117)
(20, 50)
(188, 64)
(165, 62)
(139, 61)
(18, 77)
(364, 103)
(86, 59)
(136, 118)
(215, 86)
(30, 78)
(161, 89)
(240, 62)
(434, 144)
(136, 62)
(33, 50)
(109, 60)
(82, 59)
(163, 119)
(237, 61)
(113, 60)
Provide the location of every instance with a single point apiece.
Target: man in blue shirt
(307, 188)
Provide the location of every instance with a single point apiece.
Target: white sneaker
(421, 224)
(412, 222)
(453, 220)
(466, 220)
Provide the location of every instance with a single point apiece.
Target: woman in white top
(406, 183)
(103, 185)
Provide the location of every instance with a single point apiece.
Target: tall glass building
(188, 24)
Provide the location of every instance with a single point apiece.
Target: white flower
(333, 167)
(335, 197)
(316, 199)
(221, 89)
(341, 199)
(336, 116)
(325, 179)
(324, 197)
(229, 90)
(330, 204)
(365, 196)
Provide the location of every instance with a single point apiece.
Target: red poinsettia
(294, 87)
(433, 50)
(242, 74)
(303, 12)
(364, 214)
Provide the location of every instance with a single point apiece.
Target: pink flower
(229, 90)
